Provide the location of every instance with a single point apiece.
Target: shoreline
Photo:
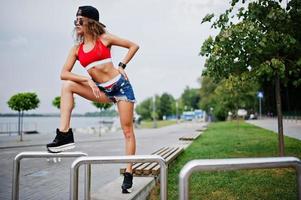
(50, 124)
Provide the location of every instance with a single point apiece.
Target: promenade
(41, 179)
(291, 128)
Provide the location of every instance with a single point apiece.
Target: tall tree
(166, 105)
(23, 102)
(102, 106)
(228, 95)
(56, 102)
(144, 109)
(265, 39)
(208, 87)
(190, 98)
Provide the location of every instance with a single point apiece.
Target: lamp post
(154, 112)
(260, 96)
(211, 113)
(177, 112)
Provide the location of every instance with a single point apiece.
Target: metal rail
(235, 164)
(41, 154)
(116, 159)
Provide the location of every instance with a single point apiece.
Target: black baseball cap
(89, 12)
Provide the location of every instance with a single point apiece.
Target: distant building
(194, 115)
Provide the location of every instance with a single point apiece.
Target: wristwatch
(122, 65)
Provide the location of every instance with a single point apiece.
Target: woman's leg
(126, 111)
(64, 139)
(67, 100)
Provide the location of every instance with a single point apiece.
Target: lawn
(230, 140)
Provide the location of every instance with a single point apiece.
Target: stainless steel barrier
(235, 164)
(116, 159)
(41, 154)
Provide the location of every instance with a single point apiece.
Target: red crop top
(100, 54)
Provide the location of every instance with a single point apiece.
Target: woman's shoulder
(74, 49)
(105, 38)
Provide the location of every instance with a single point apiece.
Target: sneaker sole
(127, 191)
(61, 148)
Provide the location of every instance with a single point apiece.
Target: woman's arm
(66, 73)
(132, 47)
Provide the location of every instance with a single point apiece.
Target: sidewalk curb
(141, 189)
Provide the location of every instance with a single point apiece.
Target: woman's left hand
(121, 71)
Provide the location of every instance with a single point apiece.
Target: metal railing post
(235, 164)
(163, 179)
(298, 169)
(116, 159)
(35, 154)
(16, 177)
(87, 182)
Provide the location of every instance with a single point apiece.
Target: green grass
(227, 140)
(161, 123)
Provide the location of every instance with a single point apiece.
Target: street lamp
(211, 113)
(154, 112)
(260, 96)
(177, 112)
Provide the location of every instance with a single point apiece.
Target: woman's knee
(68, 85)
(128, 131)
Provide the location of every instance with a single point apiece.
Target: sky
(36, 36)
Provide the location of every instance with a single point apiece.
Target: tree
(228, 95)
(208, 87)
(144, 109)
(22, 102)
(266, 39)
(101, 107)
(190, 98)
(234, 93)
(57, 102)
(178, 107)
(166, 105)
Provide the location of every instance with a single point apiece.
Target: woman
(107, 83)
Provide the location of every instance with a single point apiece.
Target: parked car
(252, 116)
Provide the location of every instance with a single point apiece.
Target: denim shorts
(121, 90)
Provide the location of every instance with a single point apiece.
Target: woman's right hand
(94, 88)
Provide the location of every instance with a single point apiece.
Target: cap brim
(102, 24)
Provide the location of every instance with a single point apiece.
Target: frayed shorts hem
(127, 100)
(120, 91)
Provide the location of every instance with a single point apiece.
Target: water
(48, 124)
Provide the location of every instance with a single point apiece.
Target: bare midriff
(103, 73)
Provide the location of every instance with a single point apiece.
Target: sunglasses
(80, 21)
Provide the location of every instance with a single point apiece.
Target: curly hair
(93, 27)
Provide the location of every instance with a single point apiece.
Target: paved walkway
(291, 128)
(41, 179)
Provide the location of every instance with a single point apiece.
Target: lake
(48, 124)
